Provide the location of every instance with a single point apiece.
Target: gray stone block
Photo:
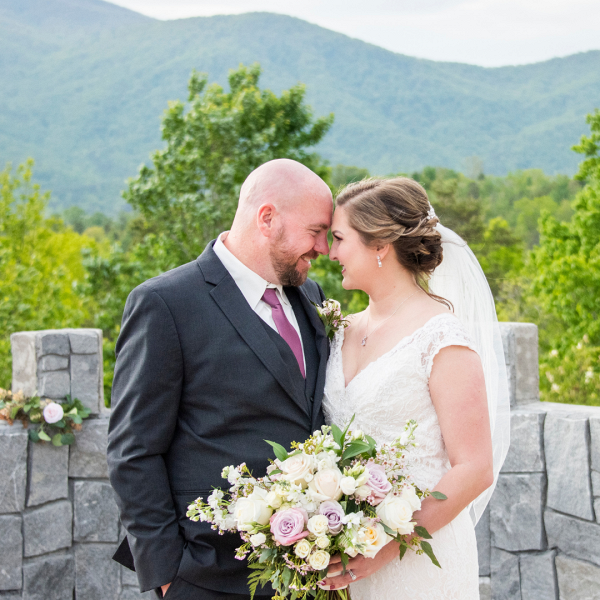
(11, 552)
(484, 544)
(129, 577)
(520, 341)
(579, 539)
(52, 342)
(485, 588)
(11, 596)
(84, 341)
(48, 473)
(85, 380)
(538, 579)
(597, 509)
(505, 578)
(53, 363)
(13, 467)
(133, 593)
(595, 441)
(577, 580)
(55, 384)
(48, 528)
(526, 452)
(24, 363)
(96, 574)
(516, 520)
(596, 483)
(88, 453)
(96, 516)
(49, 578)
(566, 446)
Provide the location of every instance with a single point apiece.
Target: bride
(426, 348)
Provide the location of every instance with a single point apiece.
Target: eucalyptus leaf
(44, 436)
(14, 411)
(280, 451)
(56, 440)
(426, 546)
(422, 532)
(60, 424)
(34, 435)
(67, 439)
(439, 496)
(355, 448)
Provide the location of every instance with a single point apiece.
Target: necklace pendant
(364, 341)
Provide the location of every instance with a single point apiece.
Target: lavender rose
(53, 413)
(378, 482)
(334, 513)
(288, 526)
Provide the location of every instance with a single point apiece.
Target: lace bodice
(382, 396)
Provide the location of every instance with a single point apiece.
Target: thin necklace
(364, 340)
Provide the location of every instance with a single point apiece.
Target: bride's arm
(457, 390)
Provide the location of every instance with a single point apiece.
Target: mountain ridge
(87, 104)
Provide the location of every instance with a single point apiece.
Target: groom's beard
(285, 264)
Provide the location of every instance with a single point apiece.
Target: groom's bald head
(281, 223)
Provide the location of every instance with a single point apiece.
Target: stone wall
(59, 523)
(538, 539)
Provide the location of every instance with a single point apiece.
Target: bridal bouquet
(335, 493)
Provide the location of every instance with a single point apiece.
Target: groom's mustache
(310, 255)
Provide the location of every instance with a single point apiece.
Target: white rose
(323, 542)
(411, 497)
(325, 461)
(318, 525)
(374, 538)
(326, 484)
(258, 539)
(296, 468)
(53, 413)
(319, 560)
(253, 509)
(302, 548)
(348, 485)
(396, 513)
(273, 500)
(362, 492)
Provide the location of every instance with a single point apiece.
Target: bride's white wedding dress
(383, 396)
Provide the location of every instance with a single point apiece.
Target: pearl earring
(379, 261)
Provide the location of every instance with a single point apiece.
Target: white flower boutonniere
(331, 315)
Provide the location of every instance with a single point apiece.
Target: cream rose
(319, 560)
(302, 548)
(348, 485)
(297, 468)
(362, 492)
(274, 500)
(411, 497)
(318, 525)
(53, 412)
(323, 542)
(396, 513)
(258, 539)
(253, 509)
(326, 484)
(374, 538)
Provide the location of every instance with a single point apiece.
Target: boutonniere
(330, 313)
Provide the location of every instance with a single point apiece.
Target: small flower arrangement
(52, 421)
(336, 493)
(331, 315)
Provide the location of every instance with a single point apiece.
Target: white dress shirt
(253, 287)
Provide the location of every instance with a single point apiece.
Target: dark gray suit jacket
(200, 381)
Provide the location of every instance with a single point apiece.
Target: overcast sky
(483, 32)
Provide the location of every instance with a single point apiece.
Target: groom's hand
(361, 567)
(164, 588)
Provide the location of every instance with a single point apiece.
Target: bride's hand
(360, 566)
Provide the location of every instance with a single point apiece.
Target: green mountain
(83, 84)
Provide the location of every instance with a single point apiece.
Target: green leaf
(27, 407)
(403, 549)
(348, 426)
(265, 555)
(355, 448)
(56, 440)
(59, 424)
(33, 435)
(426, 546)
(388, 530)
(76, 419)
(280, 451)
(276, 472)
(439, 496)
(337, 435)
(2, 404)
(422, 532)
(67, 439)
(345, 560)
(44, 436)
(14, 411)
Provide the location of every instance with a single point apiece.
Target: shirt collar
(251, 284)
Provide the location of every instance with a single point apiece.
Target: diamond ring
(352, 575)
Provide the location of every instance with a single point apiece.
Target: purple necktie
(285, 328)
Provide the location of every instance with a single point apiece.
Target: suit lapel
(246, 322)
(322, 348)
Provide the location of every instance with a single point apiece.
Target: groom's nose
(322, 244)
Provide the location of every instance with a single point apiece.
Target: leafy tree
(342, 175)
(189, 194)
(40, 264)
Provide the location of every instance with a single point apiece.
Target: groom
(213, 358)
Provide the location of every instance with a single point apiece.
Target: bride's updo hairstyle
(395, 211)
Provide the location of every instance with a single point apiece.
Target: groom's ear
(265, 219)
